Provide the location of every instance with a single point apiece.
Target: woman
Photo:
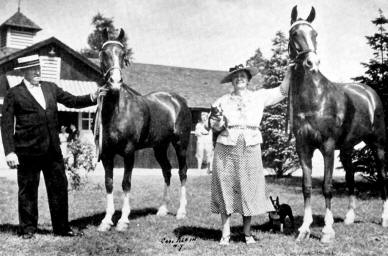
(63, 135)
(238, 184)
(204, 145)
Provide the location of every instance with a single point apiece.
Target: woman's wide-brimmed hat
(251, 71)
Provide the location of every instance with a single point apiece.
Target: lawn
(199, 233)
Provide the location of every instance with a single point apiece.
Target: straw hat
(28, 62)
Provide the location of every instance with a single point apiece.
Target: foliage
(80, 158)
(376, 76)
(363, 161)
(95, 39)
(278, 152)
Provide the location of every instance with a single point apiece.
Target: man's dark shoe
(69, 233)
(28, 235)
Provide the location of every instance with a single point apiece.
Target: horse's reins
(294, 61)
(100, 100)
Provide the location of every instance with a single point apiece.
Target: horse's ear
(277, 200)
(104, 35)
(294, 14)
(270, 197)
(311, 16)
(121, 35)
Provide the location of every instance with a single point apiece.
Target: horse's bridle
(114, 66)
(300, 54)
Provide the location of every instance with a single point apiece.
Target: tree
(95, 39)
(376, 76)
(278, 152)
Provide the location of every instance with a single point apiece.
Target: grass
(200, 231)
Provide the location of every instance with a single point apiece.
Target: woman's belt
(243, 127)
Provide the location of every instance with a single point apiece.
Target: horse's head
(303, 43)
(113, 57)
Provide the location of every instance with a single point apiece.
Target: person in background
(31, 144)
(238, 182)
(204, 145)
(73, 134)
(63, 135)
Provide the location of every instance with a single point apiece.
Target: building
(79, 75)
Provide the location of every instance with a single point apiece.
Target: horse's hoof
(303, 236)
(384, 222)
(104, 227)
(180, 215)
(163, 211)
(122, 226)
(327, 238)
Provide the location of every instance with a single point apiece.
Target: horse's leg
(123, 222)
(161, 156)
(346, 159)
(305, 156)
(328, 158)
(378, 148)
(181, 151)
(107, 223)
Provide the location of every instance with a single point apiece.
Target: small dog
(277, 217)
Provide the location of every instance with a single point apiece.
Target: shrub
(363, 161)
(80, 160)
(278, 153)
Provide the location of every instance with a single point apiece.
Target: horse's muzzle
(311, 62)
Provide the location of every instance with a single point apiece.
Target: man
(204, 142)
(31, 143)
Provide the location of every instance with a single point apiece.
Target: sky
(212, 34)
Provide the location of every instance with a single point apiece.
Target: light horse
(328, 116)
(127, 121)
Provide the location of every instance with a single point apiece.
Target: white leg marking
(329, 221)
(350, 215)
(385, 214)
(163, 210)
(106, 223)
(181, 214)
(304, 230)
(123, 222)
(328, 231)
(307, 220)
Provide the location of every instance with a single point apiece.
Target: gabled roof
(51, 40)
(21, 21)
(198, 86)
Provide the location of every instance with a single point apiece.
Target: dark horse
(328, 116)
(127, 121)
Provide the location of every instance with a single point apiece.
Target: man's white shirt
(36, 92)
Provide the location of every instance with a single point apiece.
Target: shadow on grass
(364, 189)
(237, 231)
(14, 229)
(95, 220)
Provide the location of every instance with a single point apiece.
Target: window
(86, 121)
